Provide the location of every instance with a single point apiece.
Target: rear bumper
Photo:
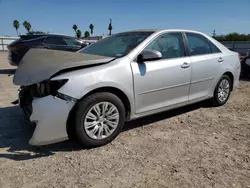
(237, 77)
(50, 115)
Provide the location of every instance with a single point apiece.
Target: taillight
(16, 47)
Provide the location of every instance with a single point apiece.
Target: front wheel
(222, 91)
(99, 119)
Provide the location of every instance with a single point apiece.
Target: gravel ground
(196, 146)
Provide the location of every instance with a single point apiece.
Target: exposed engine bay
(39, 90)
(38, 66)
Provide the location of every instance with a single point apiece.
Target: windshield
(116, 45)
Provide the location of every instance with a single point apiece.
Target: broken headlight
(49, 87)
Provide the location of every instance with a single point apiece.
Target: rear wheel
(99, 119)
(222, 91)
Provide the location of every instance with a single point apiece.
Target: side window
(55, 41)
(72, 42)
(197, 44)
(214, 49)
(39, 40)
(169, 44)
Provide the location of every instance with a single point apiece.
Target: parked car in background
(19, 48)
(245, 66)
(89, 95)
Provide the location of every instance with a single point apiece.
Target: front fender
(81, 82)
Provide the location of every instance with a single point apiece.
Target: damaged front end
(47, 109)
(28, 93)
(39, 96)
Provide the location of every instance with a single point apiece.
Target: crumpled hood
(40, 64)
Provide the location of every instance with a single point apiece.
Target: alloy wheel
(101, 120)
(223, 90)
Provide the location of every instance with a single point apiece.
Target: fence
(239, 46)
(4, 41)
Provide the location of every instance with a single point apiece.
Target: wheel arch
(231, 76)
(119, 93)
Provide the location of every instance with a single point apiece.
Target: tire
(216, 100)
(88, 107)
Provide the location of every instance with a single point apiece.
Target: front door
(164, 82)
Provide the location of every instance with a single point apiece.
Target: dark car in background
(20, 47)
(245, 66)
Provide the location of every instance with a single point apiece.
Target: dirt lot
(195, 146)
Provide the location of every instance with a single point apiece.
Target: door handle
(220, 60)
(185, 65)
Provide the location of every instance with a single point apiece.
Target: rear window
(55, 41)
(197, 44)
(200, 45)
(34, 40)
(214, 48)
(72, 42)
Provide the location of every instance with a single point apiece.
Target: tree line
(233, 37)
(228, 37)
(78, 32)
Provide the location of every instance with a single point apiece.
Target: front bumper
(50, 115)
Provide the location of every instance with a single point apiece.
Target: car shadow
(245, 79)
(16, 132)
(164, 115)
(7, 71)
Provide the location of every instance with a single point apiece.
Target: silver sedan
(89, 95)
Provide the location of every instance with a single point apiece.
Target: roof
(160, 30)
(46, 34)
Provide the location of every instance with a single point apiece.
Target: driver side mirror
(148, 55)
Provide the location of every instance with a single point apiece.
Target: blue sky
(58, 16)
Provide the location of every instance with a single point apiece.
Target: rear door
(55, 43)
(72, 44)
(206, 60)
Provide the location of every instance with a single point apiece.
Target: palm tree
(110, 27)
(78, 33)
(86, 34)
(75, 27)
(27, 26)
(16, 25)
(91, 27)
